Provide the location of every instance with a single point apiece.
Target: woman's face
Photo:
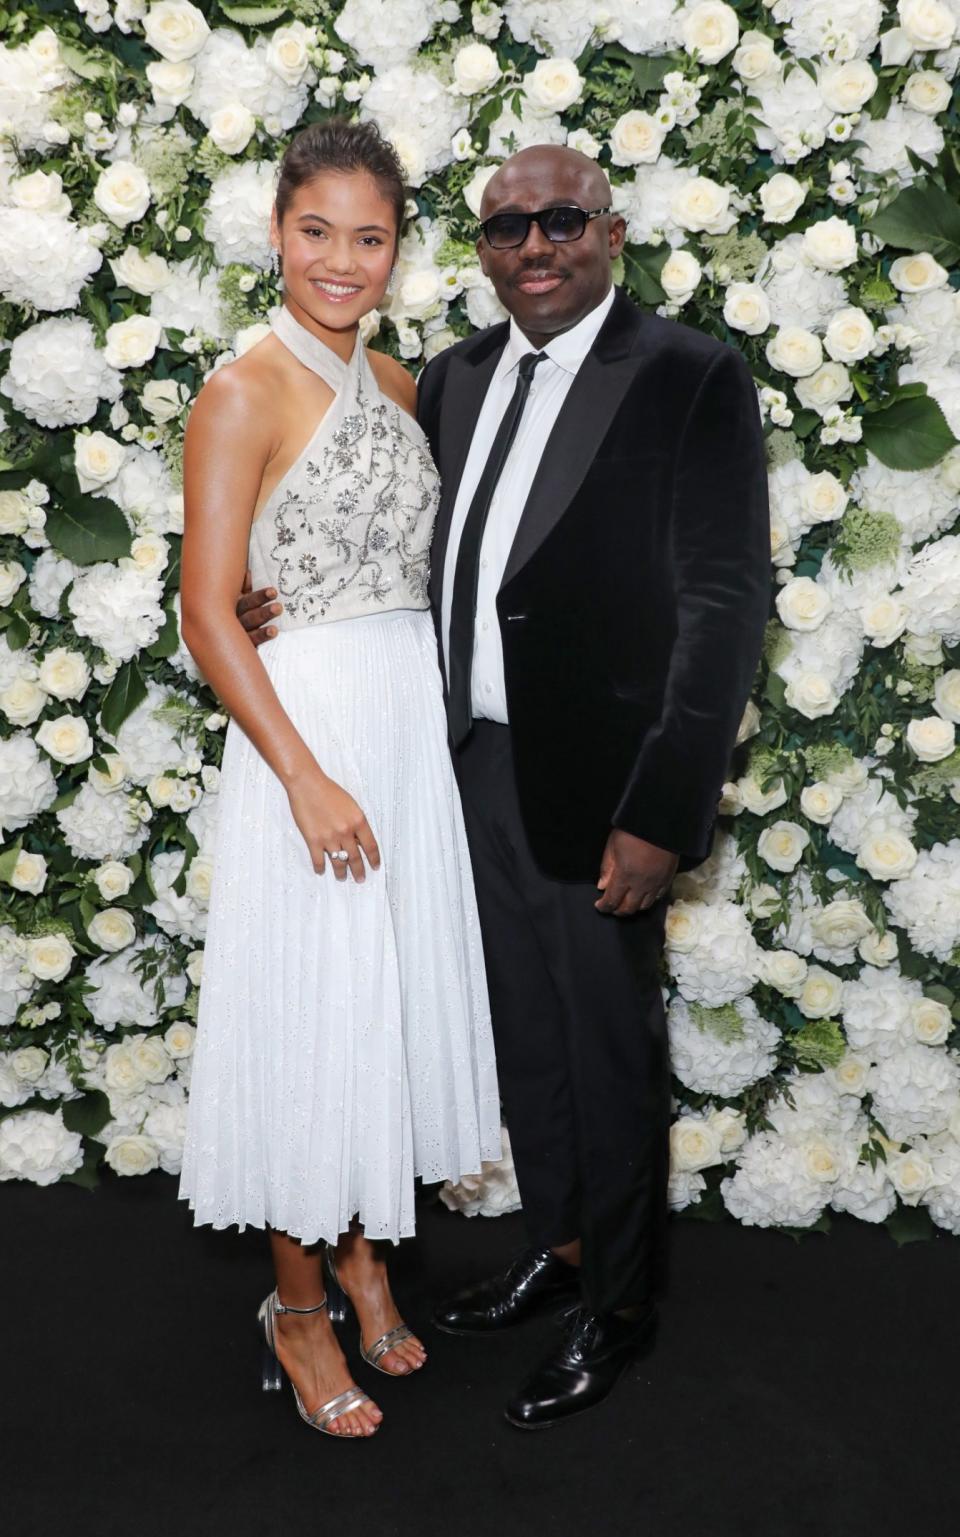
(337, 243)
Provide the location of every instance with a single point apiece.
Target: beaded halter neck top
(346, 531)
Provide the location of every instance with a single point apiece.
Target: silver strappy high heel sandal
(339, 1307)
(273, 1372)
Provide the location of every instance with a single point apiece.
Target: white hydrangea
(119, 997)
(176, 915)
(147, 740)
(16, 982)
(773, 1185)
(819, 1109)
(36, 1146)
(238, 214)
(28, 76)
(877, 1011)
(101, 826)
(386, 32)
(515, 131)
(190, 302)
(709, 1064)
(943, 1199)
(915, 1092)
(863, 808)
(922, 503)
(27, 785)
(719, 878)
(227, 71)
(166, 1126)
(419, 114)
(865, 1192)
(926, 902)
(814, 25)
(57, 376)
(931, 590)
(646, 201)
(794, 114)
(491, 1193)
(884, 141)
(45, 259)
(724, 964)
(118, 609)
(799, 293)
(50, 575)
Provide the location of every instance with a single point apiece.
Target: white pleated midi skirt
(344, 1042)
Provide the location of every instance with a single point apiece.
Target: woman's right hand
(330, 820)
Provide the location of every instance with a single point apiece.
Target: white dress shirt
(551, 381)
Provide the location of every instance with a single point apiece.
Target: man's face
(548, 287)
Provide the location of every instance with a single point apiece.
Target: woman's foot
(363, 1275)
(310, 1354)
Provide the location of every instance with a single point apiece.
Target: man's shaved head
(548, 286)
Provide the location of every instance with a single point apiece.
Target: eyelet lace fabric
(344, 1041)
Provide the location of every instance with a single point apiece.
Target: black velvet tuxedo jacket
(634, 599)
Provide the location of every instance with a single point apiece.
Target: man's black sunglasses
(503, 230)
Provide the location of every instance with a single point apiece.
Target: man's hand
(633, 874)
(255, 610)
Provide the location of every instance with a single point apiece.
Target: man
(600, 583)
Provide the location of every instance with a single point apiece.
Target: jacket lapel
(464, 389)
(591, 404)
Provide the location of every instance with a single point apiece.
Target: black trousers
(580, 1034)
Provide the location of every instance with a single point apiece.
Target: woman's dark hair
(343, 147)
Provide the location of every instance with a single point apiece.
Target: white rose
(803, 604)
(199, 878)
(848, 86)
(755, 57)
(29, 873)
(67, 739)
(927, 91)
(287, 52)
(148, 555)
(764, 900)
(131, 343)
(821, 994)
(97, 458)
(700, 204)
(794, 351)
(682, 926)
(761, 801)
(49, 957)
(162, 399)
(694, 1144)
(911, 1176)
(784, 970)
(113, 929)
(12, 576)
(151, 1058)
(830, 244)
(636, 139)
(918, 273)
(122, 193)
(711, 28)
(134, 1153)
(932, 738)
(40, 192)
(179, 1039)
(170, 82)
(475, 69)
(782, 845)
(113, 880)
(106, 782)
(884, 619)
(552, 85)
(781, 196)
(679, 276)
(420, 294)
(231, 127)
(840, 924)
(746, 308)
(849, 336)
(64, 674)
(15, 511)
(749, 723)
(850, 1074)
(23, 701)
(145, 275)
(820, 1160)
(823, 499)
(195, 967)
(885, 852)
(730, 1126)
(824, 388)
(820, 801)
(473, 191)
(878, 949)
(811, 695)
(946, 697)
(176, 29)
(927, 24)
(931, 1021)
(29, 1064)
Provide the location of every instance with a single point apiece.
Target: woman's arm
(228, 443)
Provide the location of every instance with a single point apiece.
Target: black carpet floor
(797, 1388)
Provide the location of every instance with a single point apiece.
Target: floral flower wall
(789, 173)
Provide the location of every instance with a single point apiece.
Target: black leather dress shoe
(537, 1280)
(582, 1369)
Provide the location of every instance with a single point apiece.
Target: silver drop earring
(275, 261)
(390, 280)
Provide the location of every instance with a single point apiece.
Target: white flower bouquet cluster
(787, 173)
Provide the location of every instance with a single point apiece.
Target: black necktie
(467, 573)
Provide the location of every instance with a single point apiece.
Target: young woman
(344, 1042)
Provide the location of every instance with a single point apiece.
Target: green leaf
(86, 65)
(909, 1224)
(643, 265)
(86, 1176)
(17, 632)
(709, 1208)
(168, 640)
(253, 15)
(88, 1114)
(648, 72)
(126, 691)
(921, 218)
(8, 861)
(88, 529)
(910, 434)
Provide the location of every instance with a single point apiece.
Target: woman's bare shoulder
(394, 380)
(242, 395)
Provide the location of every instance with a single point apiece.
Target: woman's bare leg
(362, 1270)
(307, 1346)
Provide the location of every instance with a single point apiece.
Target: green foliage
(724, 1022)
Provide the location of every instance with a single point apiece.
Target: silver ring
(340, 854)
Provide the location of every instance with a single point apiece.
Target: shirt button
(488, 688)
(484, 563)
(485, 625)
